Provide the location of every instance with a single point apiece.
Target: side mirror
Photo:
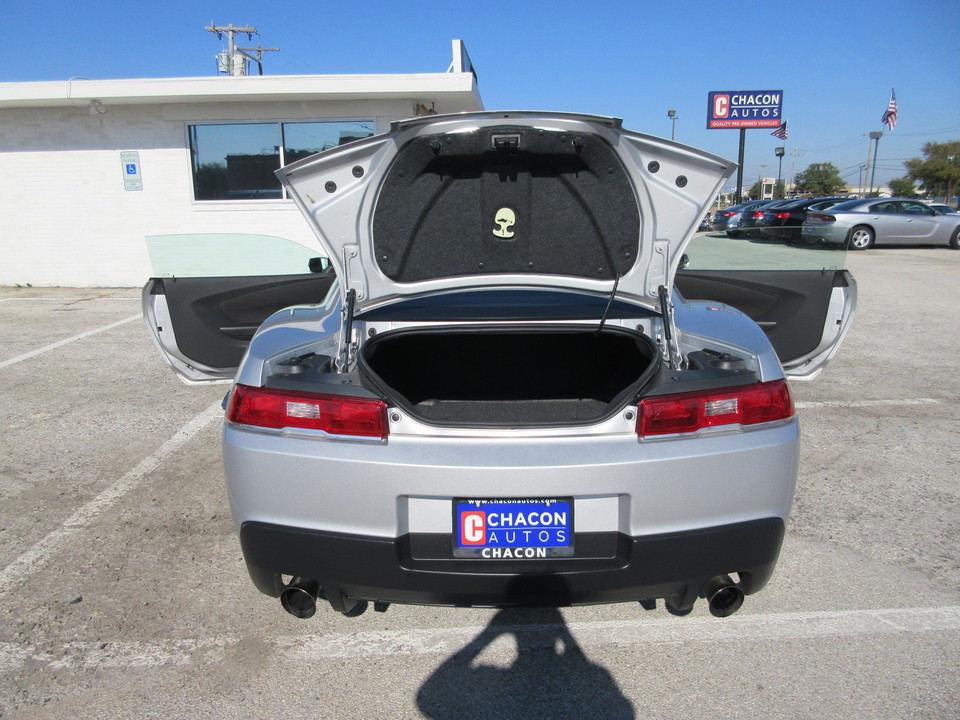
(318, 264)
(684, 261)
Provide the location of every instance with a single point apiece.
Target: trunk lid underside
(505, 199)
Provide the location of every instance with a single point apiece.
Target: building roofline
(143, 91)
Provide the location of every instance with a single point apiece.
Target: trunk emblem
(505, 219)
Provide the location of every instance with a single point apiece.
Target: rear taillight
(728, 214)
(822, 217)
(690, 412)
(782, 216)
(758, 214)
(333, 414)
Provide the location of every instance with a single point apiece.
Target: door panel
(804, 313)
(203, 325)
(211, 291)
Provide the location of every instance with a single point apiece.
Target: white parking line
(865, 403)
(16, 572)
(65, 299)
(445, 641)
(66, 341)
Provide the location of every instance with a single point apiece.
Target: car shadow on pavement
(549, 677)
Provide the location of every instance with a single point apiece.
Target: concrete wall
(65, 218)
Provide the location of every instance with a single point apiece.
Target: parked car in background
(882, 221)
(943, 209)
(750, 218)
(501, 393)
(783, 221)
(728, 220)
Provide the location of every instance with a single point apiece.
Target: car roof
(860, 202)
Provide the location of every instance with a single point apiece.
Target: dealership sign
(744, 109)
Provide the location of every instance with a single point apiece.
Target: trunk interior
(511, 376)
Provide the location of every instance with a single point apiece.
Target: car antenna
(613, 294)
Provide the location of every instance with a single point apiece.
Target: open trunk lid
(505, 199)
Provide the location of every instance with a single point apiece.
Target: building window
(237, 161)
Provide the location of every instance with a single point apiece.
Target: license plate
(508, 529)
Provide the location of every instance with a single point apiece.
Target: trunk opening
(511, 376)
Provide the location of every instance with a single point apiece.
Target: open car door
(202, 308)
(210, 293)
(801, 296)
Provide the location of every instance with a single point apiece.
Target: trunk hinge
(669, 346)
(348, 347)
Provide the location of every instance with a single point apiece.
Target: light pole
(875, 136)
(779, 151)
(672, 114)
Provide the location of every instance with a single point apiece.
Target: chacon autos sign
(744, 109)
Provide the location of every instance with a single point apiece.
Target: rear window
(848, 205)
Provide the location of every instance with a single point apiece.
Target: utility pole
(228, 62)
(794, 153)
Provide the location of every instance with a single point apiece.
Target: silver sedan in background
(882, 221)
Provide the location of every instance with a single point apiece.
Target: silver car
(496, 394)
(882, 221)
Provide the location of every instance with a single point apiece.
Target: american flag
(890, 116)
(781, 132)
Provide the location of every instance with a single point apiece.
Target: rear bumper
(833, 235)
(417, 568)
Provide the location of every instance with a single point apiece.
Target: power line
(930, 132)
(287, 55)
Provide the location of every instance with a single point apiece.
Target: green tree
(820, 179)
(903, 187)
(939, 169)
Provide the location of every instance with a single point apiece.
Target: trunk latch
(506, 143)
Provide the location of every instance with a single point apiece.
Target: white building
(89, 168)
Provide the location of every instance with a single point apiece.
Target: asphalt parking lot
(123, 592)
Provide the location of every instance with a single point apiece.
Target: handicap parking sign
(130, 163)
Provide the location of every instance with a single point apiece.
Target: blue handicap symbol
(131, 168)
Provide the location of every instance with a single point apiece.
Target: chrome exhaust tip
(723, 595)
(299, 598)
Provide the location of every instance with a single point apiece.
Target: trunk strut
(671, 351)
(347, 345)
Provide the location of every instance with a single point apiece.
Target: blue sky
(835, 61)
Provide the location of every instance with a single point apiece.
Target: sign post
(743, 109)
